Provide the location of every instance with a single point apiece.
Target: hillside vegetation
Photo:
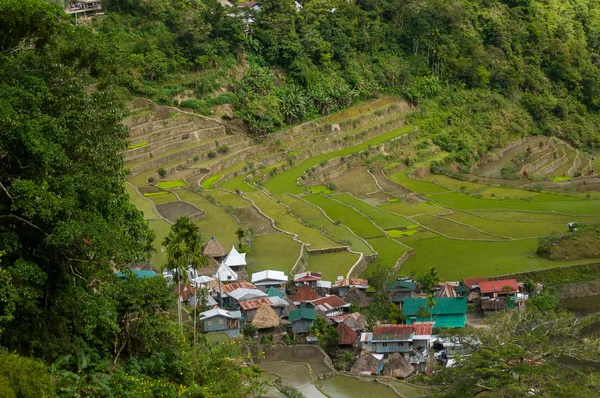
(482, 72)
(582, 243)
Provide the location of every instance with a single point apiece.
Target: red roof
(496, 286)
(305, 293)
(393, 329)
(474, 281)
(352, 282)
(253, 304)
(308, 276)
(328, 303)
(230, 287)
(422, 328)
(346, 335)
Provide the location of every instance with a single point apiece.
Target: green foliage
(429, 280)
(327, 336)
(291, 392)
(212, 154)
(24, 377)
(162, 172)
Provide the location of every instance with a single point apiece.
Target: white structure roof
(265, 277)
(279, 302)
(224, 273)
(243, 294)
(209, 302)
(203, 279)
(234, 258)
(325, 284)
(219, 311)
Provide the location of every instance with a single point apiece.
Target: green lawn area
(509, 229)
(516, 215)
(171, 184)
(276, 251)
(140, 203)
(384, 219)
(562, 205)
(456, 259)
(218, 223)
(138, 145)
(332, 265)
(408, 210)
(238, 182)
(313, 216)
(288, 223)
(210, 181)
(217, 337)
(286, 182)
(388, 249)
(349, 217)
(227, 198)
(161, 197)
(450, 228)
(161, 229)
(418, 186)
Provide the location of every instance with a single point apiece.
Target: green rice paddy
(171, 184)
(162, 197)
(417, 186)
(332, 265)
(210, 181)
(142, 204)
(452, 229)
(138, 145)
(227, 198)
(287, 222)
(384, 219)
(346, 215)
(276, 251)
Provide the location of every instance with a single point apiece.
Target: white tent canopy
(234, 258)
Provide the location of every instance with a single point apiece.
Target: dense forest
(480, 72)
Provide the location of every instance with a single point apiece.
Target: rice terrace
(341, 193)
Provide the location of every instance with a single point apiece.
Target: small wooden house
(400, 290)
(302, 319)
(219, 320)
(343, 285)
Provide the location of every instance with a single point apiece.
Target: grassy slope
(161, 229)
(451, 229)
(418, 186)
(163, 198)
(140, 203)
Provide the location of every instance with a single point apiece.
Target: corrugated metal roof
(307, 276)
(392, 332)
(305, 293)
(498, 286)
(346, 335)
(401, 286)
(302, 313)
(422, 328)
(230, 287)
(443, 306)
(328, 303)
(352, 282)
(252, 304)
(471, 282)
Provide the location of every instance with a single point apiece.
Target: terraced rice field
(485, 226)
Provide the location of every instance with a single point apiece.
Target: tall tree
(65, 220)
(182, 246)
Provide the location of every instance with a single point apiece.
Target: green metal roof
(401, 285)
(443, 306)
(272, 292)
(302, 313)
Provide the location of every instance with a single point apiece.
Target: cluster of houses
(274, 303)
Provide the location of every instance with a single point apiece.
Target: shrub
(223, 149)
(162, 172)
(266, 339)
(324, 162)
(249, 329)
(331, 186)
(509, 169)
(291, 392)
(150, 179)
(196, 158)
(212, 154)
(190, 104)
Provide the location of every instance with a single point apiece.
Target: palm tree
(182, 246)
(430, 305)
(240, 233)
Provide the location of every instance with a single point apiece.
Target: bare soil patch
(253, 220)
(388, 185)
(172, 211)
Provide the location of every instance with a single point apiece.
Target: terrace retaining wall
(564, 159)
(543, 159)
(329, 250)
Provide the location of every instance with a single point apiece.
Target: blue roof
(138, 274)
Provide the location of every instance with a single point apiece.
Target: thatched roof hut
(474, 297)
(213, 249)
(356, 322)
(357, 297)
(397, 366)
(265, 318)
(365, 364)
